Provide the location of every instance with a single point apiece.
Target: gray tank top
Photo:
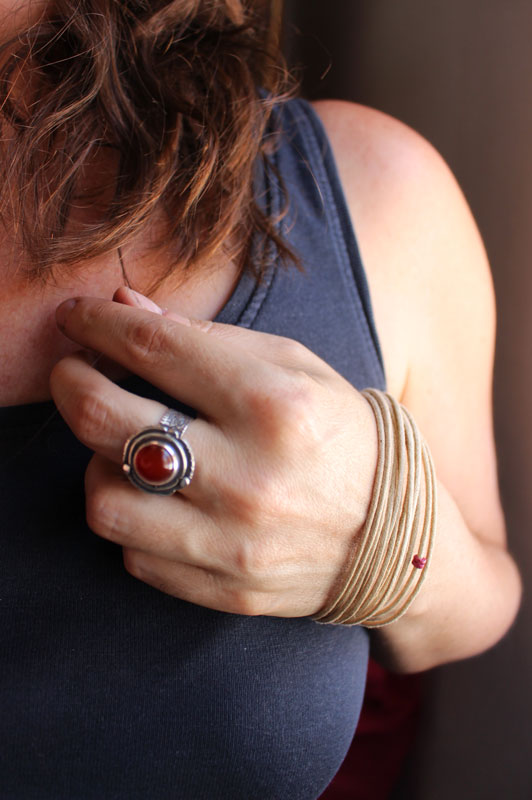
(111, 690)
(328, 307)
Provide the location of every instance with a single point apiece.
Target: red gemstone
(154, 463)
(418, 562)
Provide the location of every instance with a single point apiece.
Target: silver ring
(157, 459)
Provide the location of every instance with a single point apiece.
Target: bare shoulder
(420, 246)
(431, 290)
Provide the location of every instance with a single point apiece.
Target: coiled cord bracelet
(395, 546)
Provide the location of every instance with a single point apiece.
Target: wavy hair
(166, 92)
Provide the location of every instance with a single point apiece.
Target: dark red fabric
(383, 739)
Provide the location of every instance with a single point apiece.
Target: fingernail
(62, 311)
(144, 302)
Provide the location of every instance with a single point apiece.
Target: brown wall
(460, 72)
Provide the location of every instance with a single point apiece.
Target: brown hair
(169, 89)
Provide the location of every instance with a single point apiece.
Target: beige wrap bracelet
(395, 545)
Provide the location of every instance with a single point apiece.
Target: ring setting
(157, 459)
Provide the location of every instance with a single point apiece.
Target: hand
(285, 454)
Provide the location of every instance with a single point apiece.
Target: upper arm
(432, 297)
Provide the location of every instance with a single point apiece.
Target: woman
(138, 152)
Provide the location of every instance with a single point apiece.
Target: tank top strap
(326, 305)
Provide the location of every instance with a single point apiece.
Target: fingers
(200, 370)
(227, 540)
(168, 543)
(276, 349)
(100, 414)
(170, 527)
(103, 416)
(194, 584)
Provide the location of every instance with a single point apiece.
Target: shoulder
(384, 161)
(424, 258)
(432, 295)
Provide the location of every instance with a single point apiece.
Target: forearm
(469, 599)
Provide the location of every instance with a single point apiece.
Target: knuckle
(148, 340)
(203, 325)
(91, 417)
(245, 602)
(250, 560)
(292, 351)
(286, 410)
(297, 405)
(102, 514)
(255, 401)
(132, 562)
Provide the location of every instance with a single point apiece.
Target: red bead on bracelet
(418, 562)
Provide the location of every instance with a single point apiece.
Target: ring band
(157, 459)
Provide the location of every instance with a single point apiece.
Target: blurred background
(460, 72)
